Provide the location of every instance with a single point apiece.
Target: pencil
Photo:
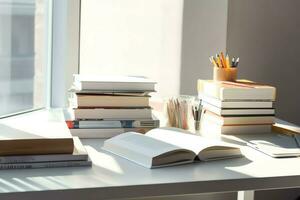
(223, 60)
(218, 61)
(227, 61)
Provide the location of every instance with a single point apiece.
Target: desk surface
(115, 177)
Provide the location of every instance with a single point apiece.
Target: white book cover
(239, 90)
(242, 111)
(113, 83)
(236, 103)
(236, 120)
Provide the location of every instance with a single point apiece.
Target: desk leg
(245, 195)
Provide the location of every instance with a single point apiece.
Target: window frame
(65, 49)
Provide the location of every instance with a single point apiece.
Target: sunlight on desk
(110, 163)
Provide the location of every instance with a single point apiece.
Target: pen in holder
(197, 111)
(225, 74)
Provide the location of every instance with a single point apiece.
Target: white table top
(114, 177)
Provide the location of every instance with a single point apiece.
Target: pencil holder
(225, 74)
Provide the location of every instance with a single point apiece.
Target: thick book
(109, 101)
(167, 147)
(140, 123)
(54, 164)
(236, 103)
(236, 120)
(39, 132)
(240, 90)
(112, 83)
(104, 133)
(111, 113)
(79, 154)
(210, 128)
(238, 111)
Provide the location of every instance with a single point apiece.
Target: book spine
(41, 158)
(45, 165)
(37, 146)
(115, 124)
(113, 113)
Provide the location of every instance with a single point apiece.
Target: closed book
(40, 132)
(111, 113)
(79, 153)
(55, 164)
(110, 101)
(240, 90)
(236, 120)
(104, 132)
(237, 103)
(114, 123)
(238, 111)
(113, 83)
(208, 128)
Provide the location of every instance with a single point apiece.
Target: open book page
(204, 147)
(147, 151)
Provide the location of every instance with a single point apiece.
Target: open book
(165, 147)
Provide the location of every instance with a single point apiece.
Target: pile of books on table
(104, 106)
(38, 140)
(241, 107)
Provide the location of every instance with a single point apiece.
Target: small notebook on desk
(166, 147)
(273, 144)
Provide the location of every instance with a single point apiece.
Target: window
(23, 55)
(137, 37)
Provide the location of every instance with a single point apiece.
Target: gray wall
(204, 34)
(266, 37)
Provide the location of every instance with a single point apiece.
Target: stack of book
(240, 107)
(104, 106)
(37, 140)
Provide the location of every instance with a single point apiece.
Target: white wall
(133, 37)
(204, 34)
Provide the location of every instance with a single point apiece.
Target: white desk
(114, 177)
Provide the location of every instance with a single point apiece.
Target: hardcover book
(240, 90)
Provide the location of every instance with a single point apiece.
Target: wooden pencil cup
(225, 74)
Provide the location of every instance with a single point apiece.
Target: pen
(236, 62)
(213, 61)
(232, 62)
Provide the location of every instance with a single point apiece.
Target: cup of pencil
(179, 112)
(224, 70)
